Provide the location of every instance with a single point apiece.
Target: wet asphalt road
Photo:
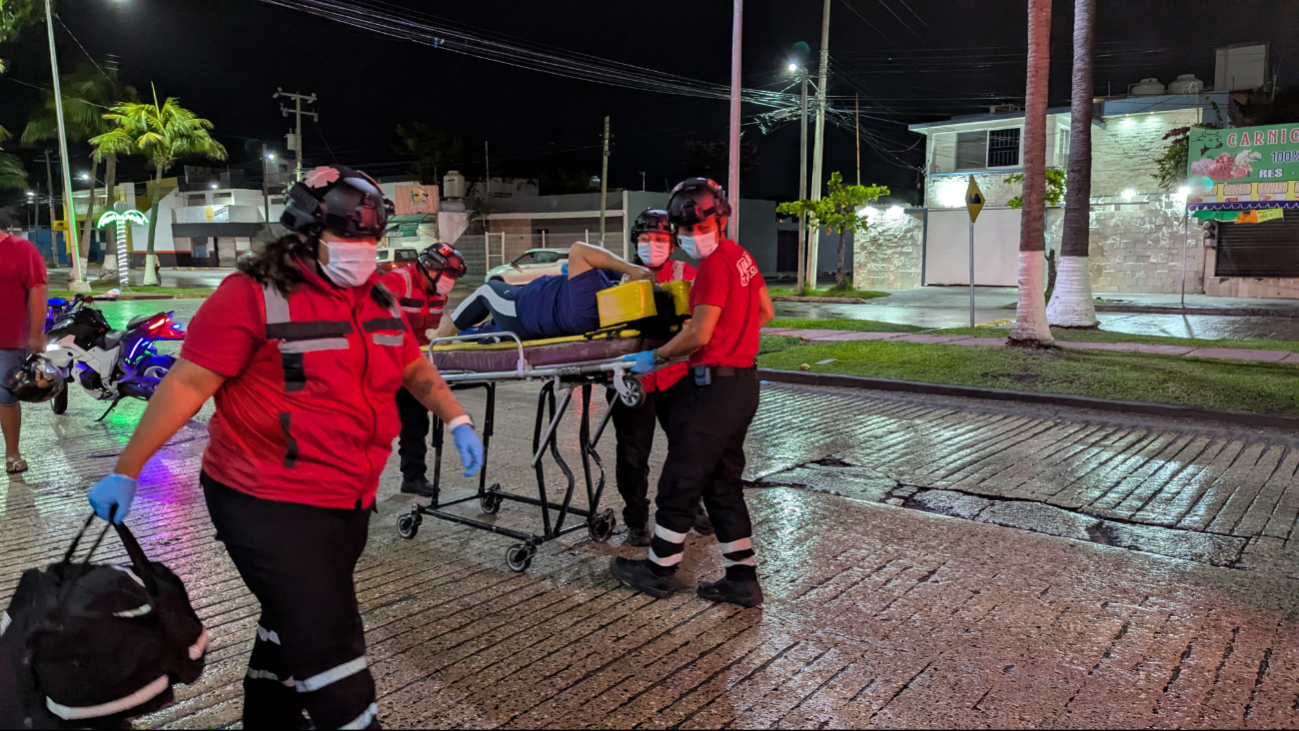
(927, 562)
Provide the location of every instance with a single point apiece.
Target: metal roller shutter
(1269, 249)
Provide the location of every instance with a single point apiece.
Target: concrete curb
(824, 300)
(836, 380)
(1220, 312)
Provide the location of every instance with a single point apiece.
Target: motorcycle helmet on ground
(34, 381)
(340, 199)
(696, 200)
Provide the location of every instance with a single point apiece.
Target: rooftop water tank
(1147, 87)
(453, 185)
(1186, 84)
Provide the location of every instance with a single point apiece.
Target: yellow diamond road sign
(973, 200)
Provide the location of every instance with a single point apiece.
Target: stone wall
(948, 191)
(1138, 249)
(889, 256)
(1124, 153)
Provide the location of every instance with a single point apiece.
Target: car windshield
(383, 255)
(547, 257)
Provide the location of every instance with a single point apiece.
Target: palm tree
(1030, 315)
(86, 92)
(12, 173)
(1071, 300)
(162, 133)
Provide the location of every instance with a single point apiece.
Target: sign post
(973, 204)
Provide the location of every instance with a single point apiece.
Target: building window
(982, 150)
(1003, 148)
(1062, 145)
(971, 150)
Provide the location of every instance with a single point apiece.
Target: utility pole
(856, 126)
(642, 181)
(802, 190)
(297, 111)
(819, 150)
(78, 283)
(604, 180)
(733, 181)
(266, 185)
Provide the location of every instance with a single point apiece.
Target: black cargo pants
(309, 654)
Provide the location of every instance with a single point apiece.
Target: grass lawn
(870, 326)
(99, 288)
(848, 291)
(1270, 388)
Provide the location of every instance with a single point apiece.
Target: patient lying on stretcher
(548, 307)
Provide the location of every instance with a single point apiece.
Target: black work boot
(639, 576)
(746, 593)
(703, 526)
(638, 537)
(421, 487)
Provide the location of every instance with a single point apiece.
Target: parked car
(534, 263)
(390, 259)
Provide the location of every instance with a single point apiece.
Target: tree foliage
(434, 150)
(560, 181)
(712, 160)
(87, 91)
(838, 210)
(1055, 188)
(12, 173)
(15, 15)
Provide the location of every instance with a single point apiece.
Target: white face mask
(444, 285)
(351, 262)
(653, 253)
(701, 246)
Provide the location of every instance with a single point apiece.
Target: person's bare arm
(766, 310)
(696, 334)
(424, 382)
(36, 305)
(583, 257)
(180, 395)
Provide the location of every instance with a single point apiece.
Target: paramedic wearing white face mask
(634, 428)
(421, 290)
(711, 408)
(304, 351)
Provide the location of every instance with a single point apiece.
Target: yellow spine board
(625, 303)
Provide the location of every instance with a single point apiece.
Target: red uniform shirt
(667, 377)
(21, 269)
(422, 310)
(307, 413)
(729, 279)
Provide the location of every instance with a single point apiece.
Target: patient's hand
(640, 274)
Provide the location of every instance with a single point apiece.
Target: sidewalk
(839, 336)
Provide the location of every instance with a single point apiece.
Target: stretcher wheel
(408, 524)
(490, 502)
(519, 556)
(601, 526)
(634, 398)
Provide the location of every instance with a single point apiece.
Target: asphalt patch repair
(833, 475)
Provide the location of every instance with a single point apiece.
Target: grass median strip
(819, 323)
(1266, 388)
(836, 291)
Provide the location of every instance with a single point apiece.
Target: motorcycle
(109, 364)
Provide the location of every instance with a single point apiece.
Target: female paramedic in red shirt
(421, 290)
(713, 407)
(635, 427)
(305, 352)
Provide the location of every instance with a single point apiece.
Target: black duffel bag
(93, 643)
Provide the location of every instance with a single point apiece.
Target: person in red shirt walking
(713, 407)
(23, 289)
(304, 351)
(421, 291)
(634, 428)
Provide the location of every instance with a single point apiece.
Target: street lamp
(793, 67)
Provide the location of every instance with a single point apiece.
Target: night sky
(912, 61)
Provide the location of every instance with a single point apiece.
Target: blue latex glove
(470, 447)
(642, 362)
(115, 491)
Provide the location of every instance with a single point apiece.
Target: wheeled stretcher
(563, 366)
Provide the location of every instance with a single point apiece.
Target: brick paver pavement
(910, 598)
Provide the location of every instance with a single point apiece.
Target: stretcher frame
(558, 385)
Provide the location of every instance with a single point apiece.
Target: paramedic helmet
(696, 200)
(345, 201)
(656, 246)
(651, 220)
(442, 259)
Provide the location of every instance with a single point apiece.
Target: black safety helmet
(695, 200)
(651, 221)
(34, 381)
(440, 258)
(340, 199)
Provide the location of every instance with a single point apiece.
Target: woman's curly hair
(280, 265)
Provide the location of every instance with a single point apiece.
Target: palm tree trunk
(150, 259)
(1071, 302)
(109, 268)
(1030, 315)
(83, 241)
